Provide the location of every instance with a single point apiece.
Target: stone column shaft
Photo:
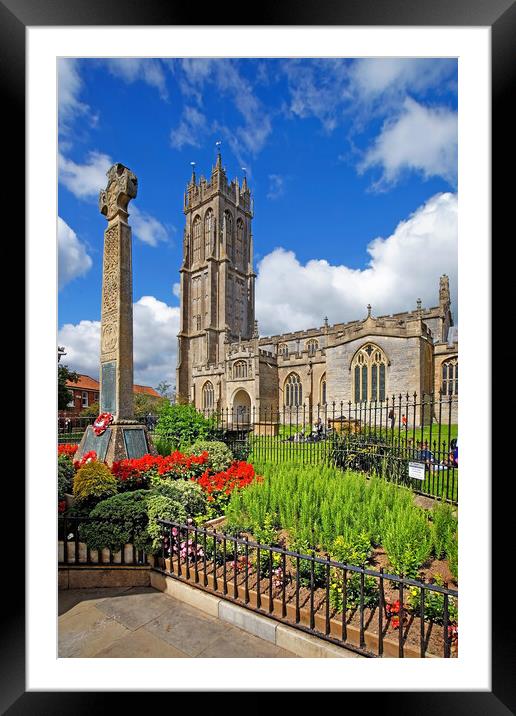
(116, 347)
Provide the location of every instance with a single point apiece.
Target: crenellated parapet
(202, 191)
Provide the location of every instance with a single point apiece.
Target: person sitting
(426, 454)
(453, 458)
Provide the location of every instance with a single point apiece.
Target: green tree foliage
(64, 394)
(181, 425)
(92, 411)
(144, 404)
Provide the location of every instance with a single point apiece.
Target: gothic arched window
(228, 234)
(197, 226)
(209, 233)
(240, 369)
(283, 349)
(369, 369)
(293, 391)
(450, 377)
(208, 395)
(311, 346)
(322, 391)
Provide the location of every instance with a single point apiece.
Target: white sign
(416, 470)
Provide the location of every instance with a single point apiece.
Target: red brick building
(87, 391)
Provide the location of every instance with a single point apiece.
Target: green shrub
(118, 520)
(163, 446)
(65, 475)
(443, 525)
(303, 546)
(188, 493)
(354, 550)
(434, 604)
(94, 482)
(181, 425)
(452, 551)
(220, 456)
(407, 540)
(371, 591)
(160, 507)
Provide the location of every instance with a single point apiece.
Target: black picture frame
(500, 16)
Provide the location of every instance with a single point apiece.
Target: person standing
(392, 418)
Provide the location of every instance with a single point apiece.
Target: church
(225, 365)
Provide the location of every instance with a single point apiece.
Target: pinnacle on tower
(192, 178)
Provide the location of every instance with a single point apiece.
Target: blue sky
(352, 165)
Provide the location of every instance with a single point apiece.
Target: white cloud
(403, 267)
(317, 89)
(247, 139)
(69, 84)
(155, 342)
(276, 186)
(147, 228)
(176, 290)
(73, 259)
(132, 69)
(421, 139)
(85, 180)
(373, 78)
(190, 130)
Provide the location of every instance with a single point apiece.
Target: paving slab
(135, 607)
(142, 622)
(79, 599)
(140, 644)
(82, 634)
(187, 629)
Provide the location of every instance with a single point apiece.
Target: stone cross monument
(116, 343)
(125, 437)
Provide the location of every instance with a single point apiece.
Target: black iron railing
(381, 438)
(368, 611)
(71, 429)
(73, 550)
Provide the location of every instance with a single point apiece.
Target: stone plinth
(122, 440)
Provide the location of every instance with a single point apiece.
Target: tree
(92, 411)
(64, 395)
(144, 404)
(164, 389)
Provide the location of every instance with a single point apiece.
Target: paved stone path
(143, 622)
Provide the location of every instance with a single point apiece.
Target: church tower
(216, 276)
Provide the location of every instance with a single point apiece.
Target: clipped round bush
(65, 474)
(188, 493)
(220, 456)
(94, 482)
(160, 507)
(118, 520)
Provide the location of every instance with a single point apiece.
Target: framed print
(301, 319)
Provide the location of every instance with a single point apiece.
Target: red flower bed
(136, 473)
(220, 485)
(87, 457)
(67, 449)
